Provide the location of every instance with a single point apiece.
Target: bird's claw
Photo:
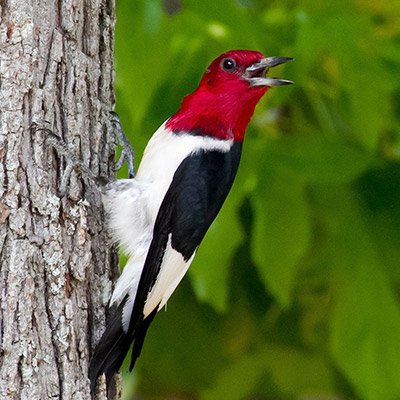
(127, 153)
(62, 149)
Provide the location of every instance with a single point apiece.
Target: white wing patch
(173, 268)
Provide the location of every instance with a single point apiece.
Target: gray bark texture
(56, 266)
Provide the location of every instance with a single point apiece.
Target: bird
(160, 216)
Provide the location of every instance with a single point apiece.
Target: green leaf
(185, 337)
(366, 319)
(210, 269)
(237, 381)
(276, 371)
(317, 159)
(281, 233)
(380, 190)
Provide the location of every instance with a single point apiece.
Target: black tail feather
(113, 346)
(111, 349)
(140, 334)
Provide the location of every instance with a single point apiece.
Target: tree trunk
(56, 69)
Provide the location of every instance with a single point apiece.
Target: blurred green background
(294, 293)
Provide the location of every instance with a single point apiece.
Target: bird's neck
(223, 116)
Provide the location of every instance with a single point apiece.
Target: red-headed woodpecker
(161, 216)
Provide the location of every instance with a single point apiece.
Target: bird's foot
(127, 153)
(72, 162)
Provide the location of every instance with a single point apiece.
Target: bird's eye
(228, 64)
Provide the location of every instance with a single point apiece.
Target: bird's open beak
(256, 74)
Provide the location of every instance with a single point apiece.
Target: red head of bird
(227, 95)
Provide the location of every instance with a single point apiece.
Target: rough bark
(56, 69)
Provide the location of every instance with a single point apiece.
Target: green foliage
(294, 293)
